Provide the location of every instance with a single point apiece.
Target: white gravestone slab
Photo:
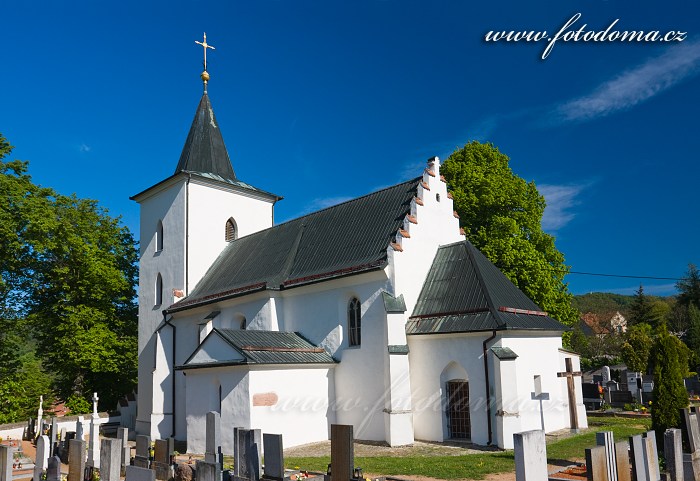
(42, 455)
(110, 459)
(530, 456)
(605, 439)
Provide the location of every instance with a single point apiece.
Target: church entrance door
(458, 422)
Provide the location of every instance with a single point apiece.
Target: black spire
(204, 150)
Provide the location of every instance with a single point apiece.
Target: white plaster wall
(539, 354)
(429, 356)
(436, 226)
(302, 413)
(203, 396)
(167, 204)
(210, 206)
(319, 313)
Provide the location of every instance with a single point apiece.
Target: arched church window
(231, 230)
(159, 290)
(159, 236)
(354, 322)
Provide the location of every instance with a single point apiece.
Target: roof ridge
(351, 200)
(323, 210)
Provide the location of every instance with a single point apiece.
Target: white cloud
(561, 199)
(635, 86)
(84, 148)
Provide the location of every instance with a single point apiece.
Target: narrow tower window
(354, 322)
(159, 236)
(231, 230)
(159, 290)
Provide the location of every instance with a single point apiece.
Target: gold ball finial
(205, 76)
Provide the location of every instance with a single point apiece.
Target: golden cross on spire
(205, 45)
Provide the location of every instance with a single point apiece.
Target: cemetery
(609, 450)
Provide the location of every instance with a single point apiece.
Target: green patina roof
(266, 347)
(345, 239)
(504, 353)
(465, 292)
(393, 304)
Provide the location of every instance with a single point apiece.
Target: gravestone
(622, 457)
(692, 430)
(673, 451)
(213, 438)
(53, 470)
(79, 434)
(42, 455)
(274, 456)
(342, 452)
(605, 439)
(143, 444)
(651, 456)
(530, 456)
(596, 464)
(110, 460)
(161, 460)
(76, 459)
(246, 454)
(606, 374)
(207, 471)
(125, 450)
(5, 463)
(161, 453)
(637, 447)
(54, 435)
(94, 446)
(134, 473)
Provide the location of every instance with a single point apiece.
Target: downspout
(488, 388)
(167, 321)
(187, 234)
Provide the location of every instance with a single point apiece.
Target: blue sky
(324, 101)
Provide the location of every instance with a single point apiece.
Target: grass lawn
(477, 466)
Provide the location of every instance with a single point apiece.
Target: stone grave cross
(94, 405)
(540, 396)
(569, 374)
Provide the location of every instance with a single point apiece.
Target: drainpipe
(488, 388)
(167, 321)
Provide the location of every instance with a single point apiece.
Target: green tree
(502, 216)
(641, 309)
(22, 205)
(689, 287)
(82, 309)
(637, 347)
(67, 283)
(692, 335)
(670, 395)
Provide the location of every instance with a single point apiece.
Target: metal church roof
(204, 151)
(345, 239)
(465, 292)
(265, 347)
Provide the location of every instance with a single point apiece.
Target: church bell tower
(187, 220)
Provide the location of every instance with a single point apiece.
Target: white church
(376, 312)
